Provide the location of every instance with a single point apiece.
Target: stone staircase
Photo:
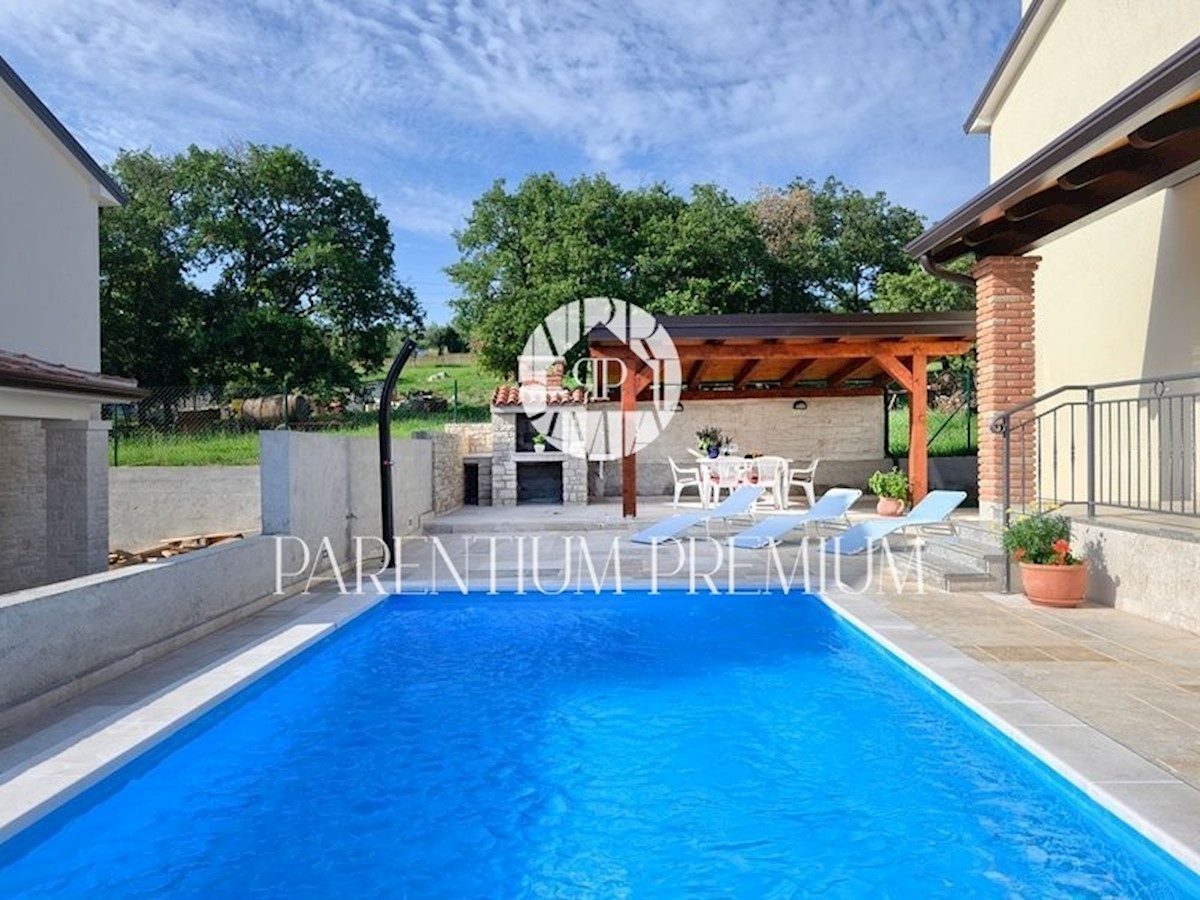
(970, 561)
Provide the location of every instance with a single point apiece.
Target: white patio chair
(725, 473)
(802, 477)
(772, 473)
(685, 477)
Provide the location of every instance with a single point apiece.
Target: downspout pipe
(945, 274)
(385, 446)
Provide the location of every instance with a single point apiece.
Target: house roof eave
(107, 191)
(1021, 45)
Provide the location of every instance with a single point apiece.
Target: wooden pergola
(799, 356)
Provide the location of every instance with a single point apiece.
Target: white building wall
(49, 246)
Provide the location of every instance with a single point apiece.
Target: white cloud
(426, 101)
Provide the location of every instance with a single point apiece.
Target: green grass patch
(957, 438)
(475, 386)
(224, 448)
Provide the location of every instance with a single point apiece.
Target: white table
(731, 472)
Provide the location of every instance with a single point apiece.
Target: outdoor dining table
(732, 472)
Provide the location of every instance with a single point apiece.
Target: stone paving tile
(1077, 653)
(1135, 680)
(1015, 652)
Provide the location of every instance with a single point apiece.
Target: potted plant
(1050, 574)
(539, 443)
(710, 440)
(892, 490)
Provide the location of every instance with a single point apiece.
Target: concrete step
(984, 533)
(953, 577)
(961, 554)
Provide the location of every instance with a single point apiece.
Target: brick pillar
(1005, 373)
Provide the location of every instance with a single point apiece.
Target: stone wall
(22, 504)
(60, 639)
(575, 481)
(474, 437)
(447, 468)
(504, 462)
(147, 504)
(1147, 574)
(845, 433)
(53, 500)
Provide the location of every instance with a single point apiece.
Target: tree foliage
(804, 248)
(250, 264)
(918, 291)
(443, 339)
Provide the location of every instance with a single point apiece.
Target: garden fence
(177, 425)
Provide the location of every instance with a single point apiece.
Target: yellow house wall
(1120, 299)
(1090, 51)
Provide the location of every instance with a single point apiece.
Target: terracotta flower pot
(1060, 586)
(890, 506)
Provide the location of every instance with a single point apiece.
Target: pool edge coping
(1089, 764)
(69, 767)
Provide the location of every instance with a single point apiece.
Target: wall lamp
(800, 404)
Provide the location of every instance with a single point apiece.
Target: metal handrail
(1104, 386)
(1171, 433)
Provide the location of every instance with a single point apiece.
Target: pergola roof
(760, 356)
(1144, 139)
(763, 355)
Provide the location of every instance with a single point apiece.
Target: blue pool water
(601, 747)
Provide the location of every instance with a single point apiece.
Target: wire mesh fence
(190, 426)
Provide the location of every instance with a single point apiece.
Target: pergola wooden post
(800, 356)
(915, 381)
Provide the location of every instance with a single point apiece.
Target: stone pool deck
(1113, 698)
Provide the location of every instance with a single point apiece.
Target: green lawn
(241, 449)
(952, 441)
(237, 449)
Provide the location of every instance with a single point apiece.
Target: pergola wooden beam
(779, 393)
(810, 351)
(697, 373)
(839, 377)
(743, 376)
(792, 376)
(896, 369)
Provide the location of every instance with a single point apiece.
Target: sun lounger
(833, 506)
(739, 503)
(934, 510)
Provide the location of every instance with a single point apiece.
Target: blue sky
(426, 103)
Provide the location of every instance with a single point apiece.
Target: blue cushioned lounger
(935, 509)
(739, 503)
(833, 505)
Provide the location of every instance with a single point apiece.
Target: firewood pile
(168, 548)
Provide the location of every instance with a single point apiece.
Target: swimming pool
(599, 746)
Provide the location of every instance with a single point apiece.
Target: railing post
(1006, 494)
(1091, 452)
